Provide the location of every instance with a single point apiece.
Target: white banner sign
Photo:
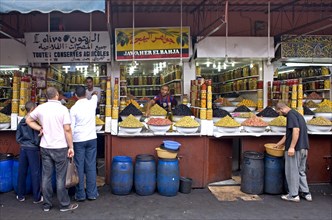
(66, 47)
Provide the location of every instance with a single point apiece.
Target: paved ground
(199, 204)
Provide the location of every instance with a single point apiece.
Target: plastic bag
(72, 174)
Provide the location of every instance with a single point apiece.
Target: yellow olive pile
(132, 101)
(187, 122)
(131, 122)
(325, 102)
(319, 121)
(248, 103)
(238, 99)
(311, 104)
(279, 121)
(323, 109)
(225, 102)
(157, 110)
(227, 122)
(4, 118)
(99, 121)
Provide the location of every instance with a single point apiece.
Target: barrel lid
(144, 157)
(253, 155)
(122, 159)
(6, 156)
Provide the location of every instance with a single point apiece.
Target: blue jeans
(29, 157)
(54, 158)
(85, 160)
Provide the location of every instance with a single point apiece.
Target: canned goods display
(202, 113)
(108, 110)
(209, 114)
(115, 112)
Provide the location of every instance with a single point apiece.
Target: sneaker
(69, 208)
(46, 208)
(290, 198)
(21, 199)
(306, 196)
(92, 198)
(40, 201)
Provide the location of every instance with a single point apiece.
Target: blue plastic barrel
(168, 177)
(252, 173)
(28, 184)
(122, 175)
(145, 174)
(6, 169)
(273, 174)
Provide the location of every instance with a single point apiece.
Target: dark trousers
(29, 157)
(54, 158)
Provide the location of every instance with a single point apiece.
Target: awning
(46, 6)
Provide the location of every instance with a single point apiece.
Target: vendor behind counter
(163, 99)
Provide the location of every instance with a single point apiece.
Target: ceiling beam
(283, 5)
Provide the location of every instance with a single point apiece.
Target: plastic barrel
(6, 169)
(185, 185)
(252, 173)
(145, 174)
(273, 174)
(168, 178)
(28, 184)
(121, 175)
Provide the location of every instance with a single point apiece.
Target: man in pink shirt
(56, 145)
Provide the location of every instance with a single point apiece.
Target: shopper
(163, 99)
(85, 143)
(56, 145)
(91, 89)
(296, 152)
(29, 157)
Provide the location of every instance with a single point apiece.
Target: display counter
(203, 158)
(208, 159)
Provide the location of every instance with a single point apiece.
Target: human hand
(94, 93)
(40, 132)
(291, 152)
(70, 152)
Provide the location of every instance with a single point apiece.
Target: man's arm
(69, 139)
(34, 124)
(295, 138)
(148, 106)
(281, 142)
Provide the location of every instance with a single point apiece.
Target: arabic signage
(306, 46)
(152, 43)
(64, 47)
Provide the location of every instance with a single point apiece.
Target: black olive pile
(242, 108)
(307, 111)
(130, 109)
(268, 112)
(182, 110)
(231, 95)
(220, 113)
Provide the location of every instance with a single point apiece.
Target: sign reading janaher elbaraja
(152, 43)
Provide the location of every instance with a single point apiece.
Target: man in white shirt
(90, 88)
(83, 125)
(56, 145)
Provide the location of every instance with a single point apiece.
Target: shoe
(79, 200)
(22, 199)
(290, 198)
(92, 198)
(46, 208)
(306, 196)
(40, 201)
(69, 208)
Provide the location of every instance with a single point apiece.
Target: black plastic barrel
(28, 184)
(185, 185)
(145, 174)
(6, 172)
(122, 175)
(252, 173)
(168, 179)
(273, 174)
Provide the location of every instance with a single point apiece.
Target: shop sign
(64, 47)
(306, 46)
(152, 43)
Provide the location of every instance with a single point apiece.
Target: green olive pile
(227, 122)
(279, 121)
